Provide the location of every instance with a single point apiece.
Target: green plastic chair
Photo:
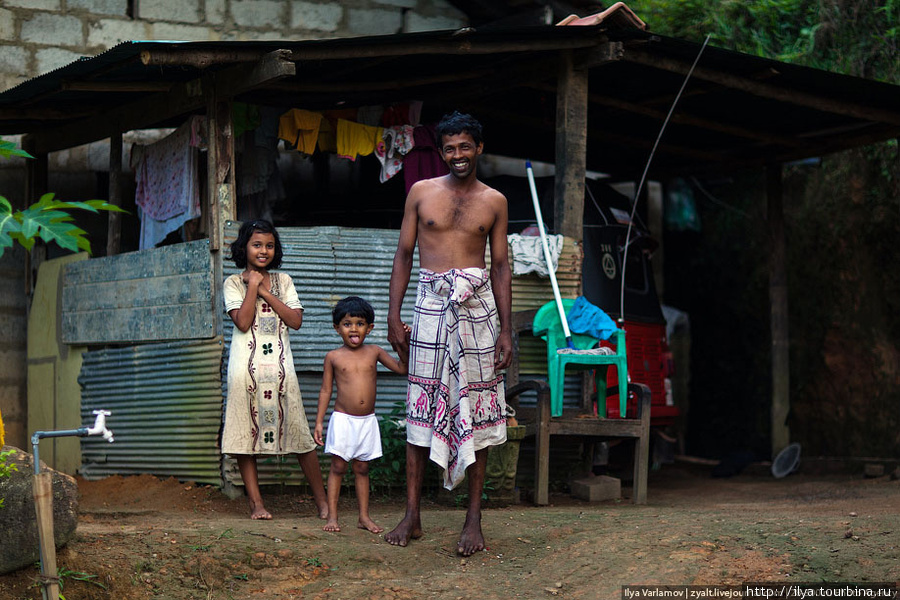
(547, 325)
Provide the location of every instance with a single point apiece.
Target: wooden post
(542, 449)
(114, 227)
(571, 147)
(220, 158)
(42, 489)
(778, 299)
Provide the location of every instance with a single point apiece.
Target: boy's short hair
(355, 307)
(457, 122)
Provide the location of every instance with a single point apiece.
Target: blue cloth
(590, 320)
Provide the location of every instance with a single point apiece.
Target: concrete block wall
(37, 36)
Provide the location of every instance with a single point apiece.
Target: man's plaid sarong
(455, 402)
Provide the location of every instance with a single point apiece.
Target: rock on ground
(18, 520)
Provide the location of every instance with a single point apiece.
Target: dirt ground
(141, 537)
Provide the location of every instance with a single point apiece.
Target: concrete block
(181, 11)
(49, 59)
(318, 17)
(53, 30)
(7, 25)
(416, 22)
(13, 60)
(596, 489)
(264, 36)
(181, 33)
(215, 11)
(374, 21)
(107, 33)
(400, 3)
(34, 4)
(259, 13)
(99, 7)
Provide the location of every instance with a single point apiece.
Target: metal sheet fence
(166, 404)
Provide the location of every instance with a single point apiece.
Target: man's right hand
(398, 335)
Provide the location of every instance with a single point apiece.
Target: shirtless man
(461, 337)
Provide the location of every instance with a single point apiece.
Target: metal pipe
(547, 257)
(44, 499)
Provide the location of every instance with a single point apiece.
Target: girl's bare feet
(258, 512)
(331, 525)
(369, 525)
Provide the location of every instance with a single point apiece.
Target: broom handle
(553, 284)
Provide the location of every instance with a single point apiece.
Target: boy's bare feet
(471, 540)
(331, 525)
(323, 510)
(407, 529)
(258, 512)
(369, 525)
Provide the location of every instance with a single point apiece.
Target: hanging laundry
(424, 159)
(259, 185)
(356, 139)
(244, 117)
(167, 181)
(396, 143)
(402, 113)
(415, 112)
(300, 128)
(369, 115)
(526, 253)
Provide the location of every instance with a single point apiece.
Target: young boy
(353, 428)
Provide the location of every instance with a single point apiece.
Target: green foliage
(67, 574)
(6, 467)
(47, 219)
(859, 38)
(390, 470)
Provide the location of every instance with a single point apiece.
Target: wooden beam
(602, 54)
(385, 84)
(766, 90)
(685, 119)
(110, 86)
(114, 225)
(149, 110)
(571, 147)
(778, 299)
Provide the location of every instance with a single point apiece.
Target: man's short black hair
(456, 123)
(355, 307)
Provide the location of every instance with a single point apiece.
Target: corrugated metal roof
(739, 111)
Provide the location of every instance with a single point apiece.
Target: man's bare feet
(471, 540)
(407, 529)
(331, 525)
(369, 525)
(259, 513)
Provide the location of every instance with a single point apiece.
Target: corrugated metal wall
(329, 263)
(166, 404)
(166, 398)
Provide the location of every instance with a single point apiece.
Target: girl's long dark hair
(239, 246)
